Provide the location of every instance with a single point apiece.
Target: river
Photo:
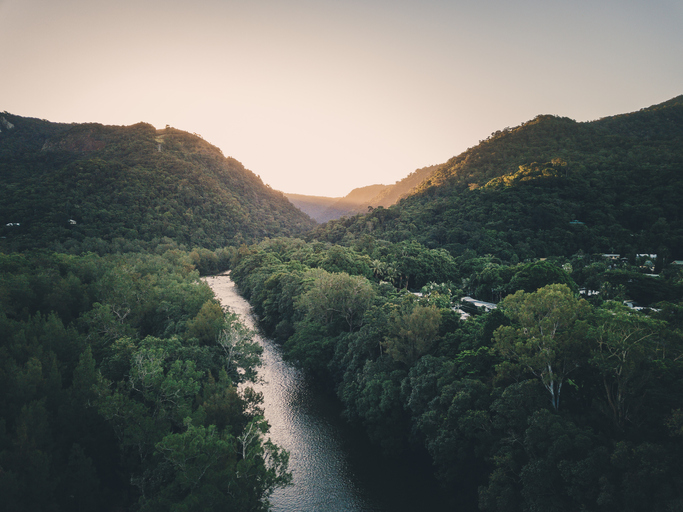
(334, 467)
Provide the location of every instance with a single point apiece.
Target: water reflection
(333, 466)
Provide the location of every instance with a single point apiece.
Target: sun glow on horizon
(322, 97)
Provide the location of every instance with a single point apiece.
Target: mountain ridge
(617, 188)
(68, 183)
(361, 199)
(323, 208)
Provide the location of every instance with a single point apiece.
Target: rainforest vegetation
(549, 187)
(87, 187)
(561, 396)
(551, 401)
(119, 370)
(119, 380)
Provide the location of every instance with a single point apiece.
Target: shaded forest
(119, 369)
(119, 380)
(554, 400)
(562, 392)
(549, 187)
(89, 187)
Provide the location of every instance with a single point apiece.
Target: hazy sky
(320, 97)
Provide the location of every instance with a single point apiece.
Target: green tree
(624, 341)
(414, 334)
(535, 275)
(241, 353)
(208, 324)
(546, 338)
(336, 299)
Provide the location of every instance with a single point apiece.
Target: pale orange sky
(320, 97)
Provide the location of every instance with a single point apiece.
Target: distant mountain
(323, 209)
(402, 188)
(314, 206)
(78, 186)
(550, 186)
(356, 200)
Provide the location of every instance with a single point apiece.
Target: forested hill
(360, 199)
(323, 208)
(314, 206)
(83, 186)
(550, 186)
(402, 188)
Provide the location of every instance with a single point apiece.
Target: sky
(320, 97)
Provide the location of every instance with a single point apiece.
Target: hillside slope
(313, 206)
(402, 188)
(77, 186)
(550, 186)
(354, 202)
(323, 209)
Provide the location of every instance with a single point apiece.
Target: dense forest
(88, 187)
(124, 384)
(551, 401)
(562, 391)
(119, 380)
(551, 186)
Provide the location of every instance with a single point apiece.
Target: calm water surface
(334, 467)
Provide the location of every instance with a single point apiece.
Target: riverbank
(334, 466)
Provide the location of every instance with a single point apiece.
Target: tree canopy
(549, 390)
(85, 187)
(119, 379)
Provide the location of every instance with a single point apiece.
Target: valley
(129, 383)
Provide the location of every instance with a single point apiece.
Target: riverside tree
(546, 336)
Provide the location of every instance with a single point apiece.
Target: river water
(334, 467)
